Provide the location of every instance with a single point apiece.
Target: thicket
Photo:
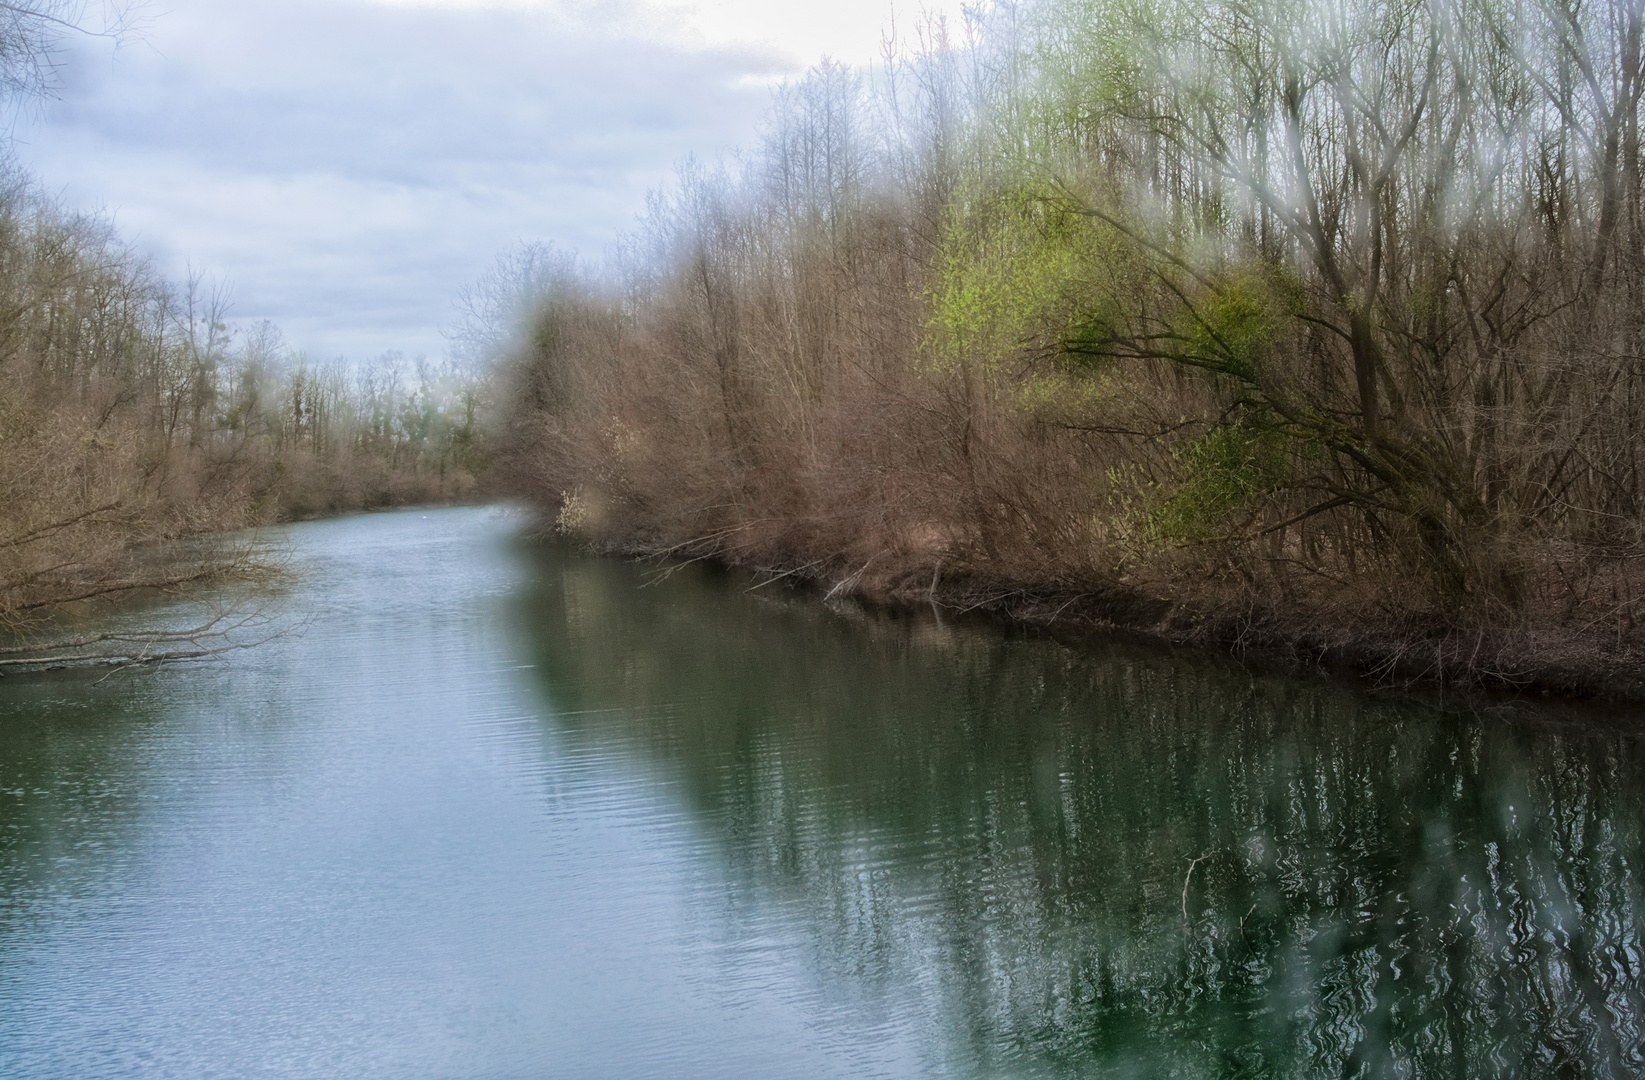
(133, 416)
(1270, 321)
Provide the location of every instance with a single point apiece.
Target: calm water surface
(502, 812)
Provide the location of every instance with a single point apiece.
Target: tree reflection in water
(1100, 860)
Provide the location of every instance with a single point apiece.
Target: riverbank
(1492, 662)
(1427, 657)
(153, 421)
(1051, 346)
(62, 558)
(222, 577)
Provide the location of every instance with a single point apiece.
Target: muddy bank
(1535, 660)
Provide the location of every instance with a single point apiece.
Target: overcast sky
(347, 165)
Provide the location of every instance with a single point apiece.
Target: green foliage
(1013, 266)
(1064, 391)
(1218, 473)
(1234, 327)
(1090, 336)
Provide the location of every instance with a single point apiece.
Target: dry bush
(1239, 323)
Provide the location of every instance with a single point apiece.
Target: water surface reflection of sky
(506, 810)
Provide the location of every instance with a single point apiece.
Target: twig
(1186, 879)
(128, 659)
(1329, 504)
(847, 583)
(1064, 606)
(669, 571)
(127, 586)
(213, 628)
(706, 538)
(990, 600)
(47, 530)
(785, 573)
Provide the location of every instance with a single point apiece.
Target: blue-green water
(510, 811)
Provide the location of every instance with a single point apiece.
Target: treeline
(1274, 322)
(132, 413)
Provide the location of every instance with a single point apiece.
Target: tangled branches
(224, 630)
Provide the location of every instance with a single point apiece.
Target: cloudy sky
(346, 165)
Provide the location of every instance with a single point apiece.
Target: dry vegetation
(132, 418)
(1306, 326)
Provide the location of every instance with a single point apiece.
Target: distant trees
(495, 310)
(131, 412)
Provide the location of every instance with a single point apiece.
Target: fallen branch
(213, 628)
(846, 584)
(46, 530)
(204, 574)
(786, 573)
(210, 638)
(128, 658)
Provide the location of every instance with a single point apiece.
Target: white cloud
(349, 165)
(800, 31)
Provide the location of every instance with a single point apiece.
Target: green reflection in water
(1108, 862)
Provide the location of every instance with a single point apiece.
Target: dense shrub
(1283, 318)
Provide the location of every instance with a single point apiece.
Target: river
(505, 810)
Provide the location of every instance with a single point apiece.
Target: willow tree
(1402, 237)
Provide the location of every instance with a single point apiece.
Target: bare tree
(32, 33)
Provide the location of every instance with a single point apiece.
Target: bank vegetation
(1268, 323)
(137, 426)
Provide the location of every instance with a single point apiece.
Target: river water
(504, 810)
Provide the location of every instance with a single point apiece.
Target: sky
(344, 167)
